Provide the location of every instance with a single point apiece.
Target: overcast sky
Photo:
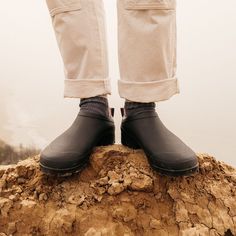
(33, 110)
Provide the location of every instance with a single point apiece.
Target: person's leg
(147, 60)
(147, 50)
(81, 35)
(80, 32)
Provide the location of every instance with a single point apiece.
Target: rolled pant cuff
(153, 91)
(84, 88)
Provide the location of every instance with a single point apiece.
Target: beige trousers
(146, 47)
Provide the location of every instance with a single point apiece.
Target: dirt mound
(118, 194)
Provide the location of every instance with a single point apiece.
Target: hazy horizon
(33, 110)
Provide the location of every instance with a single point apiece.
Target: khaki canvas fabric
(146, 48)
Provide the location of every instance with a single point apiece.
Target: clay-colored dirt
(118, 194)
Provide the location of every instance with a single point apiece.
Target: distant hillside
(2, 143)
(11, 155)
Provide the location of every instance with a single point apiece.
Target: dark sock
(136, 107)
(98, 105)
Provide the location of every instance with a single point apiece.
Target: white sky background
(33, 110)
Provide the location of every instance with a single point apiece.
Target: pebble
(21, 180)
(43, 196)
(155, 224)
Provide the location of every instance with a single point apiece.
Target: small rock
(2, 234)
(142, 183)
(19, 190)
(31, 198)
(84, 206)
(110, 199)
(127, 181)
(125, 199)
(81, 200)
(2, 184)
(38, 188)
(43, 196)
(126, 212)
(132, 169)
(97, 197)
(207, 166)
(113, 177)
(5, 205)
(11, 228)
(103, 181)
(72, 200)
(21, 180)
(116, 188)
(155, 224)
(100, 190)
(65, 220)
(12, 197)
(17, 196)
(158, 196)
(180, 212)
(28, 203)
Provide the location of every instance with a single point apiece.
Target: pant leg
(147, 49)
(81, 36)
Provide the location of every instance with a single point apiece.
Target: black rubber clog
(69, 153)
(166, 153)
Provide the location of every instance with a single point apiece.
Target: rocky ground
(118, 194)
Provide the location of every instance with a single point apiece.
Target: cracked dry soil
(118, 194)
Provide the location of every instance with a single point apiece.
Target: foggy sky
(33, 110)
